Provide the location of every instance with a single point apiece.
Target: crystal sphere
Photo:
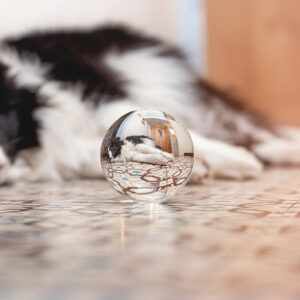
(147, 155)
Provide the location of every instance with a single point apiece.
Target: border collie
(139, 148)
(60, 91)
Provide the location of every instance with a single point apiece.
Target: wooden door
(253, 51)
(161, 137)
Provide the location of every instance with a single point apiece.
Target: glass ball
(147, 155)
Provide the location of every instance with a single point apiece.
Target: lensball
(147, 155)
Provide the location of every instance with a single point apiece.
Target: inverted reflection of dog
(139, 148)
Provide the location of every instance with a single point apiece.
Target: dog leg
(150, 150)
(225, 160)
(153, 158)
(283, 150)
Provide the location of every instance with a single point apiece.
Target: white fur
(26, 71)
(145, 153)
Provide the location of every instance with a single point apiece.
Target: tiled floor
(148, 182)
(224, 240)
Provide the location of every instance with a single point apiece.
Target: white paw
(16, 174)
(225, 160)
(20, 172)
(235, 163)
(279, 151)
(168, 156)
(164, 160)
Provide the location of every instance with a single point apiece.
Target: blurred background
(250, 48)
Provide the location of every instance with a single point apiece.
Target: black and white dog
(59, 92)
(139, 148)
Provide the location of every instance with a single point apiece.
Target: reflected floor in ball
(143, 181)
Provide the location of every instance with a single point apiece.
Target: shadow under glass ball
(147, 155)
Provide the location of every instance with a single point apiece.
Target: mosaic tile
(221, 239)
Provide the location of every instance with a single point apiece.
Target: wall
(179, 22)
(158, 18)
(184, 142)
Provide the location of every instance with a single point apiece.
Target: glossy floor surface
(221, 240)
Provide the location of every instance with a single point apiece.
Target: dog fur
(60, 91)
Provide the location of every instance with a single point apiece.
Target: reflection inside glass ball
(147, 155)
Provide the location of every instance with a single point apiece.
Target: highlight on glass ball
(147, 155)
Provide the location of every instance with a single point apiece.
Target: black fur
(18, 127)
(76, 57)
(70, 57)
(115, 146)
(111, 135)
(85, 44)
(137, 139)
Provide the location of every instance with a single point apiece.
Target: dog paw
(168, 156)
(225, 160)
(165, 160)
(235, 163)
(279, 152)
